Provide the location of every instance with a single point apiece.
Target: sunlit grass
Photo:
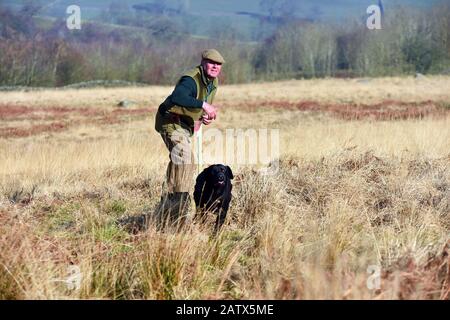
(347, 195)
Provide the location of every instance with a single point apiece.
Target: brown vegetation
(313, 224)
(60, 118)
(348, 194)
(386, 110)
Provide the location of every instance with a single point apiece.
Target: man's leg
(175, 201)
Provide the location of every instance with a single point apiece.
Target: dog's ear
(201, 178)
(199, 185)
(229, 173)
(204, 176)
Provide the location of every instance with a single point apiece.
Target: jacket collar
(205, 79)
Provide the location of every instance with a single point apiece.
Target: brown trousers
(181, 168)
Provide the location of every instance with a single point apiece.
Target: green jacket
(190, 96)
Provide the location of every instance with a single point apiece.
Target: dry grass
(348, 194)
(338, 91)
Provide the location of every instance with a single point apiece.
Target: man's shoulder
(194, 72)
(187, 81)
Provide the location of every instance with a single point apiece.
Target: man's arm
(185, 94)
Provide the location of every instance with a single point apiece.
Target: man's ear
(229, 173)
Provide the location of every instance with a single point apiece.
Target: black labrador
(213, 193)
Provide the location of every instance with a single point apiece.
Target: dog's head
(218, 175)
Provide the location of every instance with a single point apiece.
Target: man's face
(211, 68)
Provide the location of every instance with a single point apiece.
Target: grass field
(363, 183)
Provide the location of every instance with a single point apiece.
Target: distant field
(325, 10)
(92, 9)
(364, 180)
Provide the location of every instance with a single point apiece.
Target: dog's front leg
(222, 214)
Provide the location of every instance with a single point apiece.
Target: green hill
(205, 18)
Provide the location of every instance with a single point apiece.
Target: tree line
(36, 51)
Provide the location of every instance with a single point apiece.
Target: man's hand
(206, 120)
(210, 110)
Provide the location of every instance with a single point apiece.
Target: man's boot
(173, 209)
(180, 205)
(162, 211)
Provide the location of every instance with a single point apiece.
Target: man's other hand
(197, 125)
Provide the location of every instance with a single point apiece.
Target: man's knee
(182, 152)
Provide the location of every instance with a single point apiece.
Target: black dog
(213, 192)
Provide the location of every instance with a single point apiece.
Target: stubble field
(363, 186)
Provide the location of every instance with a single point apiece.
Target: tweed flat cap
(213, 55)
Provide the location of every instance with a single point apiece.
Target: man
(178, 117)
